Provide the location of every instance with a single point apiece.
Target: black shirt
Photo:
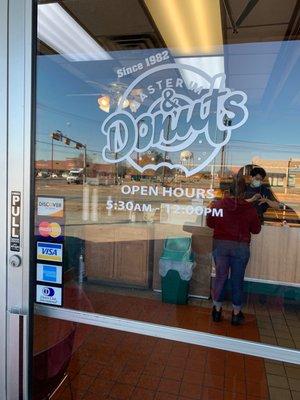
(264, 191)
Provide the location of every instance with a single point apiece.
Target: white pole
(85, 202)
(81, 275)
(212, 176)
(287, 173)
(94, 216)
(109, 210)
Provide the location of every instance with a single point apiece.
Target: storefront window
(102, 363)
(167, 155)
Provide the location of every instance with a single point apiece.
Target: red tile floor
(118, 365)
(109, 364)
(154, 311)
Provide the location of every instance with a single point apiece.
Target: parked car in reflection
(43, 174)
(75, 176)
(65, 175)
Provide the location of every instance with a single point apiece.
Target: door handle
(17, 355)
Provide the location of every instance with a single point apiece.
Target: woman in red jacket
(231, 250)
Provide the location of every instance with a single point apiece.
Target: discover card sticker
(50, 207)
(49, 295)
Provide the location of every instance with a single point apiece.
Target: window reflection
(143, 60)
(128, 365)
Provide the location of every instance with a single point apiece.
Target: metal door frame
(3, 185)
(189, 336)
(16, 66)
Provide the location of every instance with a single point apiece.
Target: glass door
(166, 178)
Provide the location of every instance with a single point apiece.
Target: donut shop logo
(189, 122)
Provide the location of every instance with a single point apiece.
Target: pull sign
(15, 221)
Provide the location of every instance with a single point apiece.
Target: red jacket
(239, 220)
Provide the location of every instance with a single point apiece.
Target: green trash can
(177, 248)
(174, 289)
(176, 264)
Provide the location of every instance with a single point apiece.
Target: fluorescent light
(188, 26)
(212, 65)
(61, 32)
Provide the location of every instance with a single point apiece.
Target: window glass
(167, 163)
(103, 363)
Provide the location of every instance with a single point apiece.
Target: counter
(275, 255)
(118, 253)
(129, 254)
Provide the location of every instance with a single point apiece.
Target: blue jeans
(229, 256)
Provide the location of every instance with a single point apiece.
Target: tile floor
(115, 365)
(278, 321)
(152, 310)
(118, 365)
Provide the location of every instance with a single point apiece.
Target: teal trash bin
(174, 290)
(175, 267)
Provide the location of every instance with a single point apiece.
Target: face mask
(255, 183)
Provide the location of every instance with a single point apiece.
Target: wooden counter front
(275, 255)
(129, 254)
(117, 253)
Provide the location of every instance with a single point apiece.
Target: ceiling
(268, 20)
(128, 25)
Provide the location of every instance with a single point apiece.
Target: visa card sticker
(49, 251)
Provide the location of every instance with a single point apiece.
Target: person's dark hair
(258, 171)
(246, 170)
(251, 170)
(237, 188)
